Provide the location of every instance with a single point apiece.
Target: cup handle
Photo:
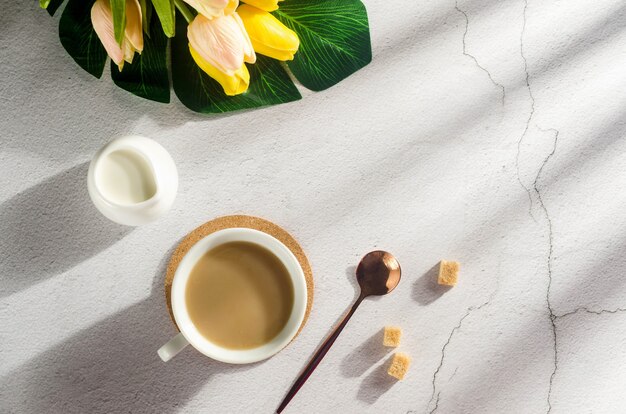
(172, 347)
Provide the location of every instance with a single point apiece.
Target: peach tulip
(213, 8)
(220, 46)
(102, 21)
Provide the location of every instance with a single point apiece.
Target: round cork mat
(250, 222)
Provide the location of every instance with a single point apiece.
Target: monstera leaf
(334, 39)
(334, 43)
(79, 39)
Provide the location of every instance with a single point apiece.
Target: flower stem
(184, 10)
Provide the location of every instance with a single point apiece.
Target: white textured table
(491, 133)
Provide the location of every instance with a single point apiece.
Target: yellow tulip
(268, 35)
(220, 46)
(102, 21)
(267, 5)
(234, 84)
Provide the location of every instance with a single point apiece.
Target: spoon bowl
(378, 273)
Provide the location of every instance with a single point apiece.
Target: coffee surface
(239, 295)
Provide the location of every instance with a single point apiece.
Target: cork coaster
(250, 222)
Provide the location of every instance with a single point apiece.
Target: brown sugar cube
(399, 365)
(392, 336)
(448, 273)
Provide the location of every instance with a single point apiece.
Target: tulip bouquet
(223, 55)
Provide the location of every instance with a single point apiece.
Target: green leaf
(147, 76)
(79, 38)
(269, 82)
(334, 39)
(146, 16)
(44, 3)
(165, 11)
(51, 5)
(118, 8)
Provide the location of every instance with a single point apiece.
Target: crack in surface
(552, 316)
(436, 403)
(587, 310)
(453, 374)
(435, 395)
(551, 313)
(530, 114)
(465, 53)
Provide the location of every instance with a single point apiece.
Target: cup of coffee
(238, 296)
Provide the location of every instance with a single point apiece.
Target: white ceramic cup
(189, 334)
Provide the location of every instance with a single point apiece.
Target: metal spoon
(378, 273)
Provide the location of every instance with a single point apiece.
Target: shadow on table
(50, 228)
(351, 276)
(113, 367)
(364, 356)
(426, 289)
(376, 383)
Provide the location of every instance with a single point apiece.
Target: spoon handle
(319, 355)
